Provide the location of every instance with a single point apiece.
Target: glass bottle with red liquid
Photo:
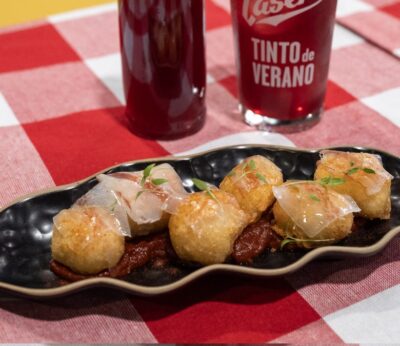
(163, 63)
(283, 51)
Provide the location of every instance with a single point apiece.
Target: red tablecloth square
(393, 10)
(81, 144)
(216, 17)
(39, 46)
(226, 309)
(230, 84)
(336, 96)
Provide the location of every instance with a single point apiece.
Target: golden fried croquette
(313, 214)
(205, 226)
(87, 239)
(364, 179)
(251, 183)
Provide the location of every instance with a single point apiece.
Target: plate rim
(230, 268)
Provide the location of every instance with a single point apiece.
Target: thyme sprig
(204, 186)
(352, 171)
(113, 205)
(357, 169)
(147, 177)
(331, 181)
(249, 167)
(261, 178)
(369, 171)
(315, 198)
(146, 174)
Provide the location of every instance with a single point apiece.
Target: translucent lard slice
(313, 207)
(102, 196)
(145, 202)
(366, 169)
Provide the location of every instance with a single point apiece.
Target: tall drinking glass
(282, 54)
(163, 63)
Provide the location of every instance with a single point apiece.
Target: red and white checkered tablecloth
(61, 119)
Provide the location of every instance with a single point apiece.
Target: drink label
(279, 64)
(275, 12)
(282, 64)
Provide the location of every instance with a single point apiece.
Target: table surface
(61, 119)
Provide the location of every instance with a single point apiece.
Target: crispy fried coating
(251, 183)
(205, 227)
(314, 214)
(337, 230)
(365, 180)
(87, 239)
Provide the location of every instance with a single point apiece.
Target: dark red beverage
(283, 50)
(163, 62)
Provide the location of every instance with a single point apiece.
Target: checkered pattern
(61, 119)
(376, 20)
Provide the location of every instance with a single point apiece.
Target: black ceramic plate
(25, 226)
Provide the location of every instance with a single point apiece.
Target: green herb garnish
(331, 181)
(146, 173)
(287, 240)
(159, 181)
(369, 171)
(203, 186)
(315, 198)
(200, 184)
(146, 176)
(244, 170)
(139, 194)
(247, 168)
(252, 165)
(113, 206)
(352, 171)
(356, 169)
(261, 178)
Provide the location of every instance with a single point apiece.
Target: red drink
(283, 50)
(163, 62)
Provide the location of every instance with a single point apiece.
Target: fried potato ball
(336, 231)
(312, 214)
(87, 239)
(251, 183)
(363, 178)
(205, 226)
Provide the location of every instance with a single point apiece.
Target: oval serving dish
(25, 227)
